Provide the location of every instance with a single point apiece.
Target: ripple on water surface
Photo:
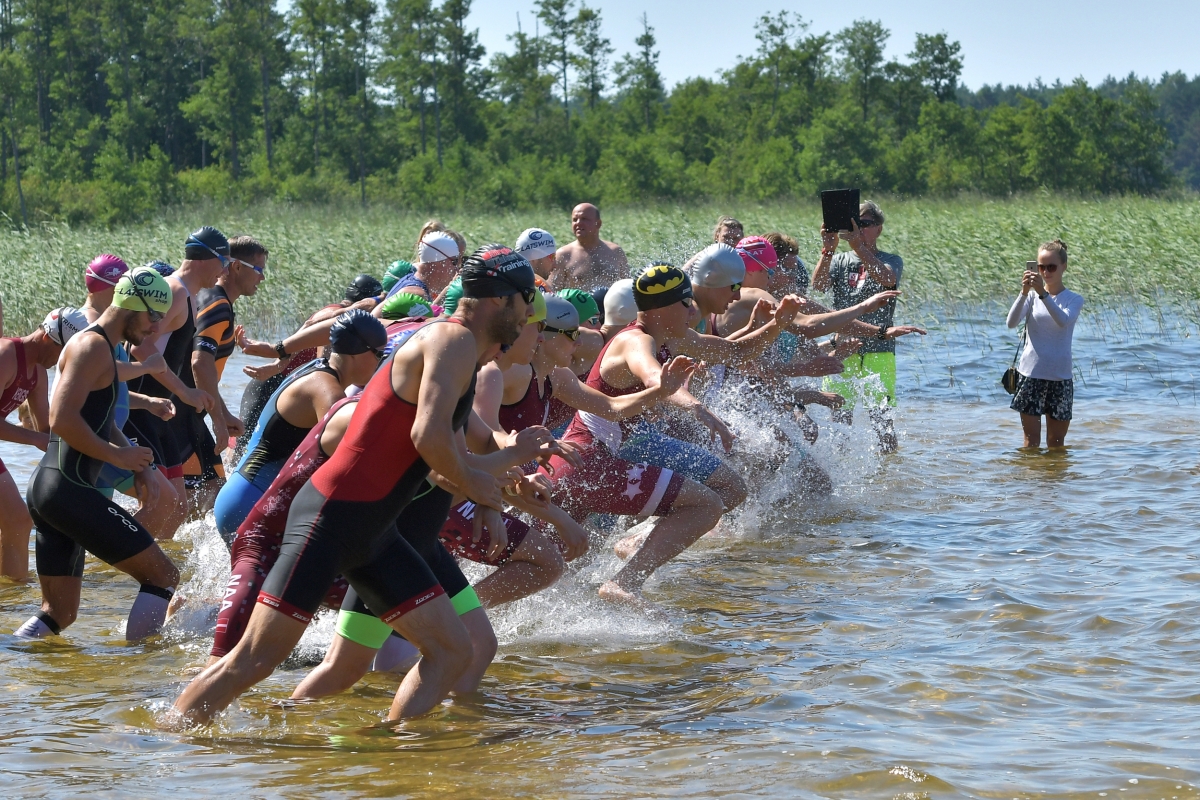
(961, 618)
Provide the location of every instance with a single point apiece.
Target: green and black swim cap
(142, 289)
(362, 287)
(494, 270)
(660, 285)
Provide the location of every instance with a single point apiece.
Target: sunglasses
(1048, 267)
(868, 223)
(572, 334)
(259, 270)
(223, 259)
(687, 302)
(594, 320)
(155, 316)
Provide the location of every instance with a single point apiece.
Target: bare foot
(629, 545)
(615, 594)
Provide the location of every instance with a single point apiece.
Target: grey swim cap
(561, 313)
(717, 266)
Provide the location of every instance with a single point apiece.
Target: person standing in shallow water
(1049, 311)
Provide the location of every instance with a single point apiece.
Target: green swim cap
(405, 304)
(395, 272)
(454, 293)
(143, 289)
(583, 301)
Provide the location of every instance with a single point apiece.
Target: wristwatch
(279, 349)
(882, 335)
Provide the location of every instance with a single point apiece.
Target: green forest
(111, 109)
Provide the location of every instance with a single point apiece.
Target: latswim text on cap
(716, 266)
(536, 243)
(143, 289)
(660, 285)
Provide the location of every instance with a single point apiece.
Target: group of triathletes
(496, 406)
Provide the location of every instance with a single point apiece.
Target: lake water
(962, 618)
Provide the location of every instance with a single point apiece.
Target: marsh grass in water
(964, 251)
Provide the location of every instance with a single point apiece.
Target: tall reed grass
(956, 252)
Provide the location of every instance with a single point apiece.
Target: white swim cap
(536, 243)
(619, 306)
(63, 323)
(716, 266)
(436, 246)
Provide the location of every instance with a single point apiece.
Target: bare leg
(1056, 431)
(178, 512)
(269, 638)
(729, 486)
(1031, 426)
(60, 597)
(344, 665)
(446, 652)
(200, 501)
(483, 647)
(535, 564)
(15, 525)
(884, 428)
(159, 517)
(694, 513)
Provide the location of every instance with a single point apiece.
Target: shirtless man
(589, 261)
(71, 515)
(343, 520)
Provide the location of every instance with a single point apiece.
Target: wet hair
(784, 245)
(1055, 247)
(429, 227)
(871, 208)
(246, 248)
(725, 222)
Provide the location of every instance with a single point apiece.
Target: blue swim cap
(355, 331)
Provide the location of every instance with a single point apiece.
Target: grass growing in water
(963, 251)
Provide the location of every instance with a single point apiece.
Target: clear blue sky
(1003, 41)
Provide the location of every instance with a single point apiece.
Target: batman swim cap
(660, 285)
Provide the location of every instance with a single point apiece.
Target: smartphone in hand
(1031, 266)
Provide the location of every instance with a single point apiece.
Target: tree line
(111, 109)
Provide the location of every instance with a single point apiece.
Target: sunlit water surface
(962, 618)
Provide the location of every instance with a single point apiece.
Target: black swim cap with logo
(205, 243)
(355, 331)
(660, 285)
(494, 270)
(362, 287)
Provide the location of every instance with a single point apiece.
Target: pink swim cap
(103, 272)
(757, 254)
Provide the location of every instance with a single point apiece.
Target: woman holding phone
(1049, 311)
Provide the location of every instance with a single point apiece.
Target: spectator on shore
(589, 261)
(1049, 311)
(729, 231)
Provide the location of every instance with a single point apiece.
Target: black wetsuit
(70, 513)
(148, 430)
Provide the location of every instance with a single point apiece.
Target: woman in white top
(1049, 312)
